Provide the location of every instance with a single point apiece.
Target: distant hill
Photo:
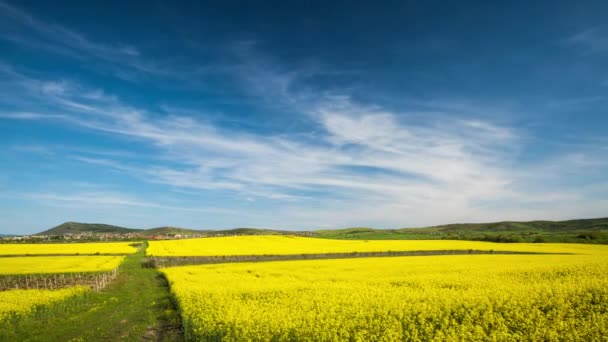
(77, 227)
(583, 230)
(570, 225)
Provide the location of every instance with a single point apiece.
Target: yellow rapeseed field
(58, 264)
(424, 298)
(15, 303)
(67, 248)
(282, 245)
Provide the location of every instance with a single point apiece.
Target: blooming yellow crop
(425, 298)
(58, 264)
(22, 302)
(282, 245)
(67, 248)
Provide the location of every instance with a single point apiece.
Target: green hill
(584, 230)
(78, 228)
(506, 226)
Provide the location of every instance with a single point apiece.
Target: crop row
(290, 245)
(105, 248)
(95, 281)
(454, 297)
(15, 305)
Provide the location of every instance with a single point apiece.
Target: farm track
(160, 262)
(136, 306)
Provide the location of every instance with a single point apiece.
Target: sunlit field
(464, 297)
(295, 171)
(283, 245)
(71, 248)
(58, 264)
(17, 303)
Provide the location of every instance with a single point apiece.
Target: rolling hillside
(77, 227)
(99, 228)
(583, 230)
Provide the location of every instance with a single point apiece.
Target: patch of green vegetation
(573, 231)
(136, 306)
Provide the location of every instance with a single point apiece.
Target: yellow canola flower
(22, 302)
(58, 264)
(282, 245)
(67, 248)
(425, 298)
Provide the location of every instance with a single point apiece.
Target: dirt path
(136, 306)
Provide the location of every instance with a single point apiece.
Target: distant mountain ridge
(100, 228)
(79, 228)
(586, 224)
(582, 230)
(471, 230)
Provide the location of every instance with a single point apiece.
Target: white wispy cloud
(372, 165)
(62, 38)
(591, 40)
(110, 199)
(122, 59)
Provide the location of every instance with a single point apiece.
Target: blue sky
(301, 116)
